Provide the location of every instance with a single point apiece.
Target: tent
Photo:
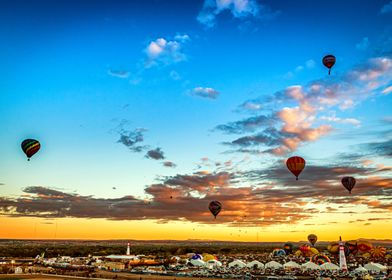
(198, 263)
(273, 264)
(291, 264)
(375, 267)
(255, 263)
(360, 269)
(238, 263)
(329, 266)
(311, 265)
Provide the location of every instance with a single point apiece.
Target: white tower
(128, 249)
(342, 257)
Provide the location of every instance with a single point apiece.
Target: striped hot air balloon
(295, 165)
(30, 147)
(348, 183)
(378, 252)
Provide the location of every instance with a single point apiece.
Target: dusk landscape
(184, 138)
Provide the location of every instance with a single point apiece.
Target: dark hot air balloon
(30, 147)
(295, 165)
(215, 207)
(329, 62)
(312, 238)
(348, 183)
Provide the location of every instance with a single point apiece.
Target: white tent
(255, 263)
(329, 266)
(238, 263)
(273, 264)
(311, 265)
(291, 264)
(198, 262)
(375, 267)
(213, 263)
(360, 269)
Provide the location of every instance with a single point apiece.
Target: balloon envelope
(30, 147)
(312, 238)
(295, 165)
(348, 183)
(329, 61)
(215, 207)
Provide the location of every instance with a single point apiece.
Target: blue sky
(79, 74)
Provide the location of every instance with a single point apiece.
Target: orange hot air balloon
(329, 62)
(295, 165)
(378, 252)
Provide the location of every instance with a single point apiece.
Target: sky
(148, 110)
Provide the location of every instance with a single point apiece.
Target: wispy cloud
(387, 8)
(296, 109)
(363, 45)
(205, 92)
(156, 154)
(118, 73)
(169, 164)
(309, 64)
(132, 139)
(237, 8)
(165, 52)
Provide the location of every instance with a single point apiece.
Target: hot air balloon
(278, 252)
(352, 245)
(348, 183)
(320, 259)
(288, 248)
(215, 207)
(329, 61)
(312, 238)
(364, 246)
(30, 147)
(295, 165)
(378, 252)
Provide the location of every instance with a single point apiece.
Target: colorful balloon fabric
(307, 251)
(320, 259)
(295, 165)
(312, 238)
(352, 246)
(348, 183)
(378, 252)
(364, 246)
(208, 257)
(215, 207)
(329, 62)
(197, 257)
(288, 248)
(333, 248)
(30, 147)
(278, 252)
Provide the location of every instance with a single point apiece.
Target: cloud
(387, 8)
(165, 52)
(169, 164)
(335, 119)
(383, 148)
(156, 154)
(387, 90)
(251, 105)
(296, 109)
(205, 92)
(267, 196)
(132, 139)
(363, 45)
(174, 75)
(247, 125)
(118, 73)
(238, 9)
(309, 64)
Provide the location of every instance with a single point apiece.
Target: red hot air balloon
(295, 165)
(348, 183)
(329, 61)
(30, 147)
(215, 207)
